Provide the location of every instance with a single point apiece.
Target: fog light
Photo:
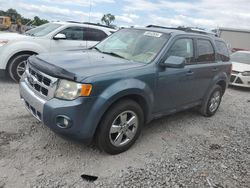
(63, 122)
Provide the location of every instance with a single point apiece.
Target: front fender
(16, 47)
(115, 92)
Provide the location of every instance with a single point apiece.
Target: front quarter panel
(15, 47)
(111, 90)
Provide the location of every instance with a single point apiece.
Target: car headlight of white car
(246, 73)
(69, 90)
(3, 42)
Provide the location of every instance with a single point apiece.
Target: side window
(73, 33)
(94, 34)
(182, 48)
(223, 53)
(205, 51)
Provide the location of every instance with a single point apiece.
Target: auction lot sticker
(152, 34)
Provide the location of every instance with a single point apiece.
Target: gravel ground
(182, 150)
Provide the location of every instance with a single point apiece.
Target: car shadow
(6, 80)
(245, 89)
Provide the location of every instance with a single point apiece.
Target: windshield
(135, 45)
(241, 57)
(43, 30)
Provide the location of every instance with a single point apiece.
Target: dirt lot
(182, 150)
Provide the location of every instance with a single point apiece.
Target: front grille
(232, 78)
(33, 111)
(235, 72)
(41, 83)
(238, 81)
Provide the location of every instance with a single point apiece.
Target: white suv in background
(55, 36)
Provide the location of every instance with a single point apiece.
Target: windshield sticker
(152, 34)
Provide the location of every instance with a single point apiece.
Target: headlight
(3, 42)
(246, 73)
(69, 90)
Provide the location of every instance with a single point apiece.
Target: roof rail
(186, 29)
(89, 23)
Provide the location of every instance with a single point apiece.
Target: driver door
(175, 86)
(74, 40)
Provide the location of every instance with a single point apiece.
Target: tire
(212, 101)
(17, 66)
(115, 135)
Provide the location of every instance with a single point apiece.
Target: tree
(108, 19)
(38, 21)
(16, 17)
(13, 14)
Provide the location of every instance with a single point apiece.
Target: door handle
(189, 73)
(215, 69)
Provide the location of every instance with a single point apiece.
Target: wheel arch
(139, 99)
(223, 85)
(29, 52)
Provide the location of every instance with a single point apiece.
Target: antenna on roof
(90, 9)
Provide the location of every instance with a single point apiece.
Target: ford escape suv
(108, 92)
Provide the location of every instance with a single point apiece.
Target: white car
(55, 36)
(241, 69)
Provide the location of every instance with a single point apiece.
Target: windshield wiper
(114, 54)
(109, 53)
(94, 47)
(29, 34)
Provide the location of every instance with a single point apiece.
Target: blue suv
(109, 92)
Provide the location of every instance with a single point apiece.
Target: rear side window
(223, 53)
(73, 33)
(205, 51)
(91, 34)
(182, 48)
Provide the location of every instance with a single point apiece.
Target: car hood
(78, 65)
(240, 67)
(12, 36)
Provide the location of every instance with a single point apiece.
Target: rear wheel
(120, 127)
(212, 101)
(17, 66)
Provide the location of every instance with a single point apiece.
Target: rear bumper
(83, 113)
(237, 79)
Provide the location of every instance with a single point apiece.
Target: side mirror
(174, 62)
(59, 36)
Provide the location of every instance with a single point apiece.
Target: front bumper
(83, 112)
(237, 79)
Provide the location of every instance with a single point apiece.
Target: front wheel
(120, 127)
(212, 101)
(17, 66)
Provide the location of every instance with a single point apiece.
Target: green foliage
(108, 19)
(38, 21)
(15, 16)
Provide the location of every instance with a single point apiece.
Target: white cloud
(54, 13)
(127, 18)
(204, 13)
(84, 3)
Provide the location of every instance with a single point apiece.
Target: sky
(194, 13)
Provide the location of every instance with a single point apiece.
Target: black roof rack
(186, 29)
(89, 23)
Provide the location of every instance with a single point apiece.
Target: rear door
(205, 67)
